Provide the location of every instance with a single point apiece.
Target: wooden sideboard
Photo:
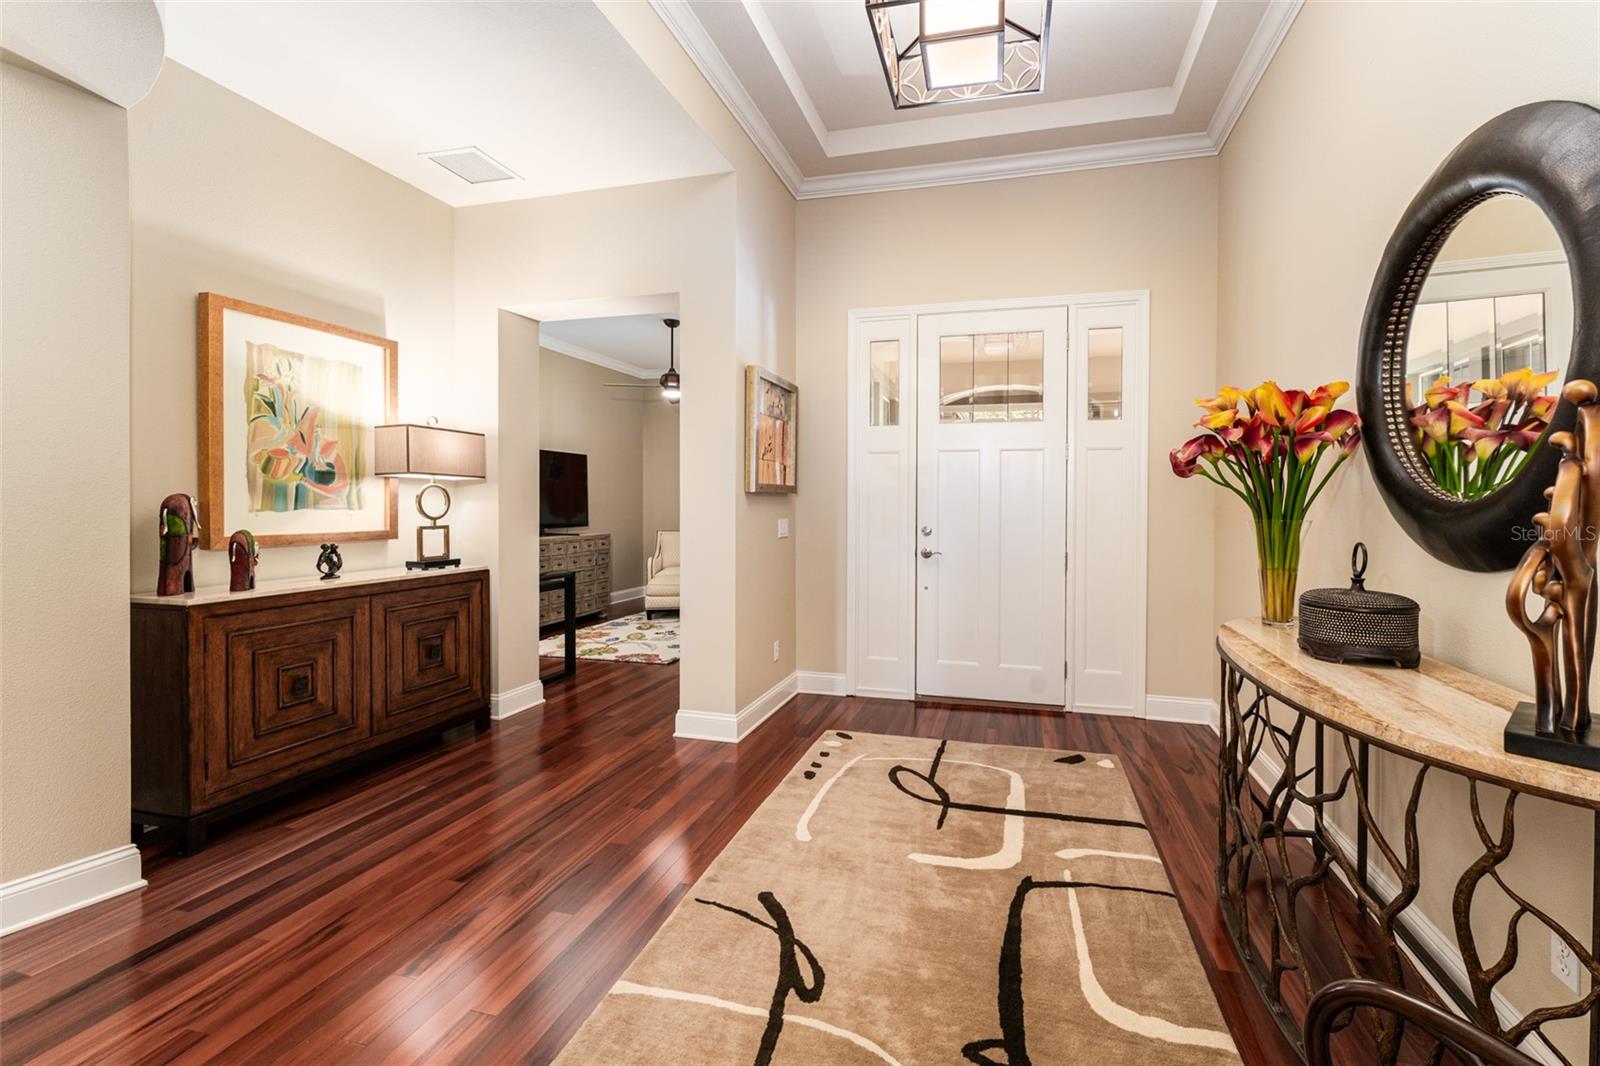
(589, 556)
(239, 697)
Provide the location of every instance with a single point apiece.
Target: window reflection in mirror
(1489, 342)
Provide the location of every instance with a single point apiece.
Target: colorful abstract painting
(289, 407)
(304, 448)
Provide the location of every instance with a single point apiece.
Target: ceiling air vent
(471, 165)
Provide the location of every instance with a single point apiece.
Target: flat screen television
(563, 490)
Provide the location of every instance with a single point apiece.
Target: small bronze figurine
(242, 557)
(1558, 570)
(180, 533)
(329, 562)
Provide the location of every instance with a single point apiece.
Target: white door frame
(900, 321)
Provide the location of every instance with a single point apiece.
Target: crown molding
(589, 355)
(999, 168)
(1270, 32)
(703, 52)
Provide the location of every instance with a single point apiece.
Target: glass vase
(1278, 555)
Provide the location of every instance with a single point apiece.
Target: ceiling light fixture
(671, 382)
(959, 50)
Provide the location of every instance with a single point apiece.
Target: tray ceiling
(1124, 83)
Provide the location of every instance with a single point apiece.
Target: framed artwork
(771, 425)
(287, 410)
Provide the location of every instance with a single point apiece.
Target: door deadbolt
(927, 531)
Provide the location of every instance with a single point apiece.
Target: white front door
(991, 528)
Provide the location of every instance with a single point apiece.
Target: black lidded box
(1357, 625)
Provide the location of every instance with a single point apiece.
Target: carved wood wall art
(1557, 573)
(180, 533)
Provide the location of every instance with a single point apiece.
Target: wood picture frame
(771, 433)
(226, 474)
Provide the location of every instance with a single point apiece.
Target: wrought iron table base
(1259, 864)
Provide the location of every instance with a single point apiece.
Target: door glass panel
(1519, 331)
(1425, 350)
(1105, 374)
(1025, 378)
(955, 379)
(1471, 325)
(991, 377)
(884, 405)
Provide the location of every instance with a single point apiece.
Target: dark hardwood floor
(471, 901)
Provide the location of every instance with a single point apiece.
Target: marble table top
(280, 586)
(1438, 713)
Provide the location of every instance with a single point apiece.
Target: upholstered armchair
(663, 574)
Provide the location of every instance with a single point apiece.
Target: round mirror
(433, 501)
(1490, 336)
(1486, 301)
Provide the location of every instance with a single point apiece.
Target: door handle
(926, 554)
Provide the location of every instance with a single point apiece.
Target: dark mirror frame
(1548, 152)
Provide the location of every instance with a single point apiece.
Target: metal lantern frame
(905, 68)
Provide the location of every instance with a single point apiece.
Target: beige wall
(671, 237)
(64, 779)
(660, 503)
(1145, 227)
(228, 197)
(577, 413)
(1347, 124)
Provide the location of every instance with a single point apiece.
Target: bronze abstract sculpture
(1558, 572)
(330, 562)
(242, 557)
(180, 533)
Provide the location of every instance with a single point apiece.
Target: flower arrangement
(1268, 453)
(1472, 448)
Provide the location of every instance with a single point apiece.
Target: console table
(1281, 844)
(240, 697)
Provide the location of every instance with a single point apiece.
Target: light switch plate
(783, 528)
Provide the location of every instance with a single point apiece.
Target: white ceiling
(1124, 83)
(633, 344)
(549, 89)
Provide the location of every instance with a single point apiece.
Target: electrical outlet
(777, 649)
(1562, 962)
(783, 528)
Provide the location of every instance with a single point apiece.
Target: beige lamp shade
(407, 450)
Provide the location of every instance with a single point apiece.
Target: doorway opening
(997, 462)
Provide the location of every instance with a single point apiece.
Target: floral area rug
(631, 639)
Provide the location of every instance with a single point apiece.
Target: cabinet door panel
(283, 689)
(427, 654)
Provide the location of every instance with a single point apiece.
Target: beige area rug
(633, 638)
(899, 900)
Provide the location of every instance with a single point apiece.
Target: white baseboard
(49, 893)
(522, 698)
(1181, 709)
(820, 684)
(1265, 769)
(731, 728)
(624, 595)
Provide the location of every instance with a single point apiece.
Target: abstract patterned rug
(900, 900)
(630, 639)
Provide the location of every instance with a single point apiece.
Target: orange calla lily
(1219, 419)
(1522, 385)
(1271, 403)
(1226, 399)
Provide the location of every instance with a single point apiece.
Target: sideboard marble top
(281, 586)
(1438, 713)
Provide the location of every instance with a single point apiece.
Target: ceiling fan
(671, 382)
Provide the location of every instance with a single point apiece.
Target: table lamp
(430, 451)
